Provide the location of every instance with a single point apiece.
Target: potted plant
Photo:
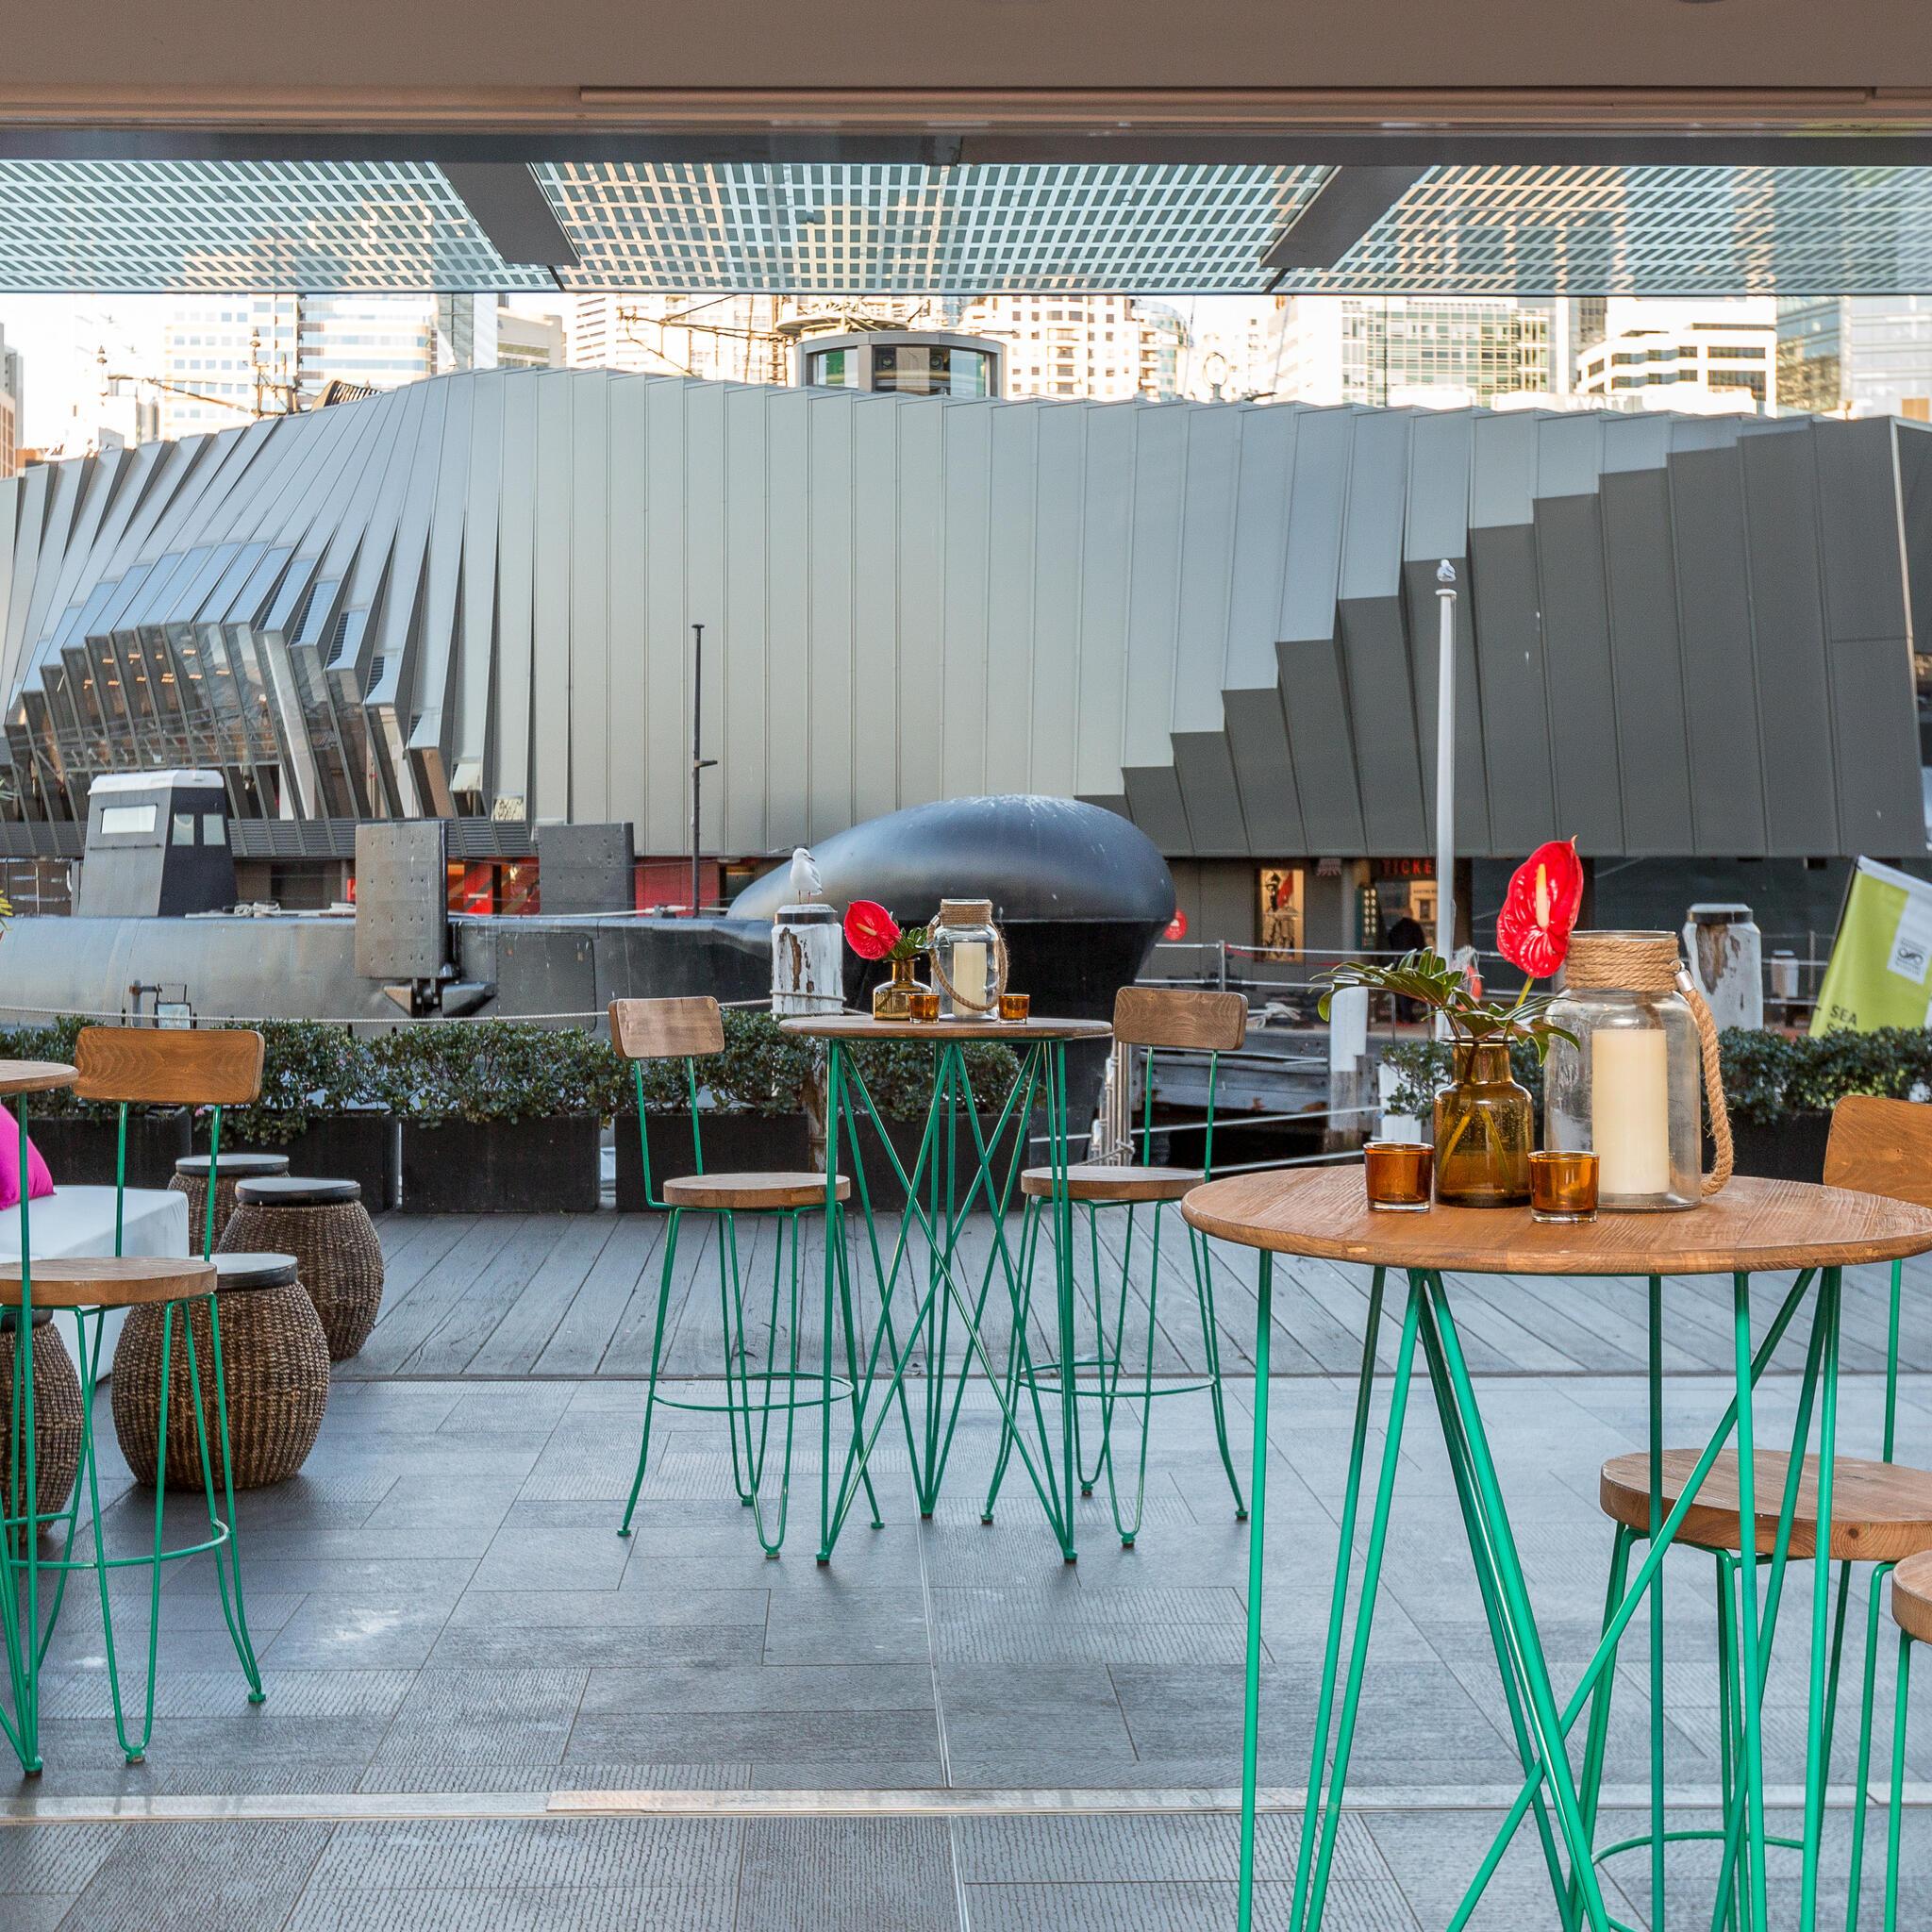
(318, 1106)
(752, 1102)
(872, 933)
(1484, 1119)
(1780, 1091)
(496, 1115)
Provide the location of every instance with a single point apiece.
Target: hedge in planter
(496, 1116)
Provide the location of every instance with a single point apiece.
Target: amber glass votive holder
(1563, 1186)
(1014, 1007)
(1399, 1175)
(921, 1005)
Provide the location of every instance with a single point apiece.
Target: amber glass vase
(1485, 1127)
(892, 998)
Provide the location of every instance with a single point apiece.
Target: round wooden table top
(1747, 1227)
(864, 1026)
(34, 1077)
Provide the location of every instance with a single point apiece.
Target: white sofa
(80, 1221)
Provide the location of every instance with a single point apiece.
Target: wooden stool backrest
(667, 1029)
(169, 1067)
(1177, 1016)
(1880, 1146)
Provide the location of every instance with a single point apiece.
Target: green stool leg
(1597, 1738)
(1861, 1784)
(657, 1356)
(222, 1533)
(1210, 1345)
(1898, 1782)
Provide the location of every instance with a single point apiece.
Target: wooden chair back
(169, 1067)
(1177, 1016)
(1881, 1146)
(667, 1029)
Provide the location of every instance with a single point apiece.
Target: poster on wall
(1880, 969)
(1280, 926)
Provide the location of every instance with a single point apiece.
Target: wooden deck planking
(577, 1295)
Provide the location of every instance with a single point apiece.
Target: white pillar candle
(1631, 1109)
(968, 974)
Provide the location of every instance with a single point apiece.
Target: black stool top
(9, 1320)
(296, 1190)
(253, 1271)
(234, 1166)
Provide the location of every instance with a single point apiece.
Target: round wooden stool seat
(1096, 1181)
(1880, 1511)
(234, 1166)
(109, 1281)
(1911, 1596)
(747, 1192)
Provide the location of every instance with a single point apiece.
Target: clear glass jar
(1629, 1091)
(1485, 1124)
(965, 951)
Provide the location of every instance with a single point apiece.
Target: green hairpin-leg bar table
(1751, 1227)
(960, 1168)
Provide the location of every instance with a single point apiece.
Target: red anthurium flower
(1533, 928)
(871, 931)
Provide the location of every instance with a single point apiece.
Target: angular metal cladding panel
(1211, 795)
(512, 674)
(664, 743)
(1375, 639)
(1012, 540)
(1157, 482)
(1780, 485)
(1059, 517)
(1582, 696)
(1653, 743)
(474, 644)
(1859, 527)
(875, 605)
(1104, 564)
(1154, 804)
(921, 602)
(550, 749)
(587, 486)
(747, 664)
(706, 595)
(828, 595)
(1876, 740)
(1719, 676)
(968, 433)
(1209, 519)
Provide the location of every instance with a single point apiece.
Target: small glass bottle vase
(1484, 1125)
(892, 998)
(1629, 1091)
(965, 950)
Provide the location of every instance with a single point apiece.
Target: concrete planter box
(734, 1143)
(500, 1167)
(359, 1147)
(81, 1152)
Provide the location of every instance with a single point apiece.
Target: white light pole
(1445, 761)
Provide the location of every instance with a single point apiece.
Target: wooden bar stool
(1881, 1511)
(692, 1030)
(131, 1066)
(1153, 1019)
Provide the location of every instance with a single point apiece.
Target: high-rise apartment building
(1445, 352)
(530, 341)
(1856, 355)
(1709, 358)
(1108, 348)
(12, 406)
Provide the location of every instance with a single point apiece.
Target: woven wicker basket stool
(57, 1414)
(190, 1178)
(275, 1371)
(326, 1226)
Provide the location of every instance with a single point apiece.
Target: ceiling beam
(1337, 216)
(513, 211)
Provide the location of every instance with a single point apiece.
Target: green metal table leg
(1251, 1688)
(1064, 1290)
(1519, 1623)
(1656, 1605)
(1818, 1726)
(1326, 1816)
(1752, 1768)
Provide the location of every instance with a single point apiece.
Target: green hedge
(1768, 1078)
(508, 1069)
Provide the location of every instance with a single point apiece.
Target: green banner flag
(1882, 957)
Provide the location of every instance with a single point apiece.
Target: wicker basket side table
(275, 1364)
(57, 1414)
(326, 1226)
(190, 1178)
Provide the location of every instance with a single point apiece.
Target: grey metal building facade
(472, 596)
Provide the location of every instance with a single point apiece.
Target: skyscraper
(1712, 358)
(12, 403)
(1857, 354)
(1445, 351)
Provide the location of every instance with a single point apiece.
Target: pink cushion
(39, 1181)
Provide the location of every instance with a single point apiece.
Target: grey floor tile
(846, 1876)
(160, 1877)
